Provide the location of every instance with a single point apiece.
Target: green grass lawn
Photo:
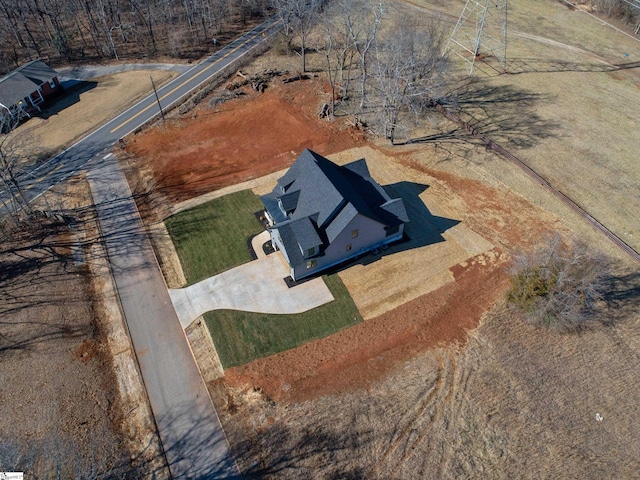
(212, 237)
(244, 336)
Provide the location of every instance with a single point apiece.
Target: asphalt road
(97, 144)
(192, 437)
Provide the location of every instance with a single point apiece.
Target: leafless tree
(362, 20)
(409, 73)
(558, 284)
(338, 51)
(12, 197)
(73, 29)
(299, 17)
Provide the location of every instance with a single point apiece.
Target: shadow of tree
(506, 114)
(517, 66)
(621, 296)
(36, 256)
(320, 442)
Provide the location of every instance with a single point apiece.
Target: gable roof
(316, 186)
(315, 200)
(23, 81)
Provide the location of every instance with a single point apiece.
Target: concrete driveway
(257, 286)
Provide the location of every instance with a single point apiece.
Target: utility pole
(157, 98)
(481, 33)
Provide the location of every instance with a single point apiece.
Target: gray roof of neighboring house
(321, 198)
(23, 81)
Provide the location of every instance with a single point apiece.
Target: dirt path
(88, 72)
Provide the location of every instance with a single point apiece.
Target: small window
(311, 251)
(52, 83)
(348, 247)
(354, 234)
(311, 263)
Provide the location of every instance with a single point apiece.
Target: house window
(354, 233)
(348, 247)
(311, 251)
(311, 263)
(52, 83)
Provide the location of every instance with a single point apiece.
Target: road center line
(186, 81)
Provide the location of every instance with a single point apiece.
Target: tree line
(68, 30)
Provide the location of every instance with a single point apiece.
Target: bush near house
(558, 285)
(212, 238)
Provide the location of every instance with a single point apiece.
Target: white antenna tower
(481, 32)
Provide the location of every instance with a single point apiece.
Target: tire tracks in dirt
(421, 420)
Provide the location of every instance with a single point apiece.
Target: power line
(600, 20)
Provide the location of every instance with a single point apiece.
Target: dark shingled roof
(343, 218)
(320, 198)
(396, 208)
(290, 244)
(290, 201)
(305, 233)
(23, 81)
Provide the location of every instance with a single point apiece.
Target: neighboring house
(25, 88)
(321, 214)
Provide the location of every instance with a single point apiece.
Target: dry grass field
(568, 105)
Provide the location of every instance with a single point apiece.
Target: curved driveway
(257, 286)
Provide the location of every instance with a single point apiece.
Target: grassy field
(212, 237)
(244, 336)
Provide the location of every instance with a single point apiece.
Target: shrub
(282, 45)
(558, 285)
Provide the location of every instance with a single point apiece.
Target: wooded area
(82, 30)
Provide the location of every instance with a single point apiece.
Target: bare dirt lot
(189, 157)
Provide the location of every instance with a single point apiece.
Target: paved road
(98, 144)
(191, 434)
